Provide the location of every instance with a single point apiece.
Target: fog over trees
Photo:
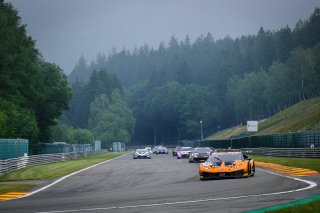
(222, 82)
(151, 95)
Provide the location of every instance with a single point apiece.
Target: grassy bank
(307, 163)
(308, 205)
(311, 207)
(50, 171)
(303, 116)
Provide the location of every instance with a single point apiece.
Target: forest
(154, 95)
(33, 92)
(222, 82)
(98, 111)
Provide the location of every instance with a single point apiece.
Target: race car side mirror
(246, 157)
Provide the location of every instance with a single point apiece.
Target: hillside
(302, 116)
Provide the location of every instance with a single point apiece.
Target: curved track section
(162, 184)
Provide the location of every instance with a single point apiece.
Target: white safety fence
(22, 162)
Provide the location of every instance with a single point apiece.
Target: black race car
(199, 154)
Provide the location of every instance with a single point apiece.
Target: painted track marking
(310, 186)
(291, 171)
(11, 195)
(74, 173)
(27, 194)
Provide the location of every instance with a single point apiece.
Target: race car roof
(227, 153)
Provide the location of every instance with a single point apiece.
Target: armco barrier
(286, 140)
(284, 152)
(22, 162)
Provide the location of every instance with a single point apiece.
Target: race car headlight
(238, 166)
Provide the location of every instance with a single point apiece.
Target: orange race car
(227, 164)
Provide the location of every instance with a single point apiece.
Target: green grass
(307, 163)
(308, 205)
(4, 188)
(55, 170)
(227, 133)
(50, 171)
(311, 207)
(303, 116)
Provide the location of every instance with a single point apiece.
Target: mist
(65, 30)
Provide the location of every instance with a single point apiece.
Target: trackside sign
(252, 126)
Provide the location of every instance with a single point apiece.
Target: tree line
(222, 82)
(37, 103)
(98, 111)
(33, 92)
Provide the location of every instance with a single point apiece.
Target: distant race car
(184, 152)
(226, 164)
(199, 154)
(149, 149)
(141, 153)
(161, 150)
(175, 150)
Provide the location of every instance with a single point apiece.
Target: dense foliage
(99, 107)
(33, 93)
(222, 82)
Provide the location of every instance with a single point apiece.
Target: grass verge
(308, 205)
(303, 116)
(311, 207)
(306, 163)
(50, 171)
(4, 188)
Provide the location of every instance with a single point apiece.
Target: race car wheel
(249, 169)
(253, 170)
(202, 177)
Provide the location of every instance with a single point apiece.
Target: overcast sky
(65, 29)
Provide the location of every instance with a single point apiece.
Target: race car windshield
(141, 151)
(225, 158)
(185, 148)
(202, 150)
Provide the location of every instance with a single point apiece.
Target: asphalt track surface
(162, 184)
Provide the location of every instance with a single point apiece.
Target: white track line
(310, 186)
(65, 177)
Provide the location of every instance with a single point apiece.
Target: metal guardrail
(280, 140)
(284, 152)
(22, 162)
